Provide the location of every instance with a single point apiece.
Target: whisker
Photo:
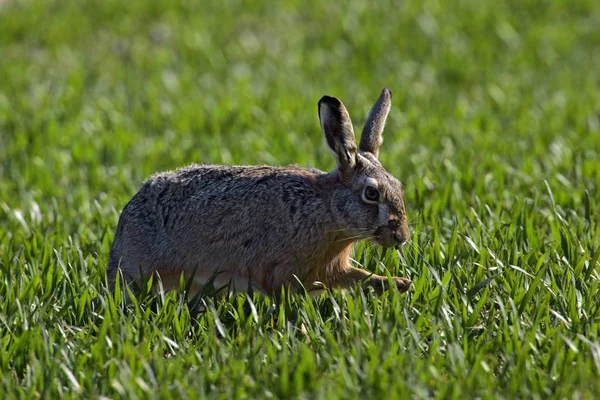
(419, 233)
(425, 224)
(420, 252)
(357, 232)
(412, 248)
(417, 247)
(403, 254)
(345, 229)
(401, 257)
(354, 237)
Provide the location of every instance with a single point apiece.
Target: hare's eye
(371, 194)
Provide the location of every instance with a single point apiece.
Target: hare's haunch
(268, 227)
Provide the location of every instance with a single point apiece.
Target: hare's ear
(372, 135)
(337, 128)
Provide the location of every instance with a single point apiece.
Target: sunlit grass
(494, 131)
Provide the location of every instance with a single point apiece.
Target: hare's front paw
(382, 284)
(402, 284)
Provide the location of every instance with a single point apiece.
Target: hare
(264, 227)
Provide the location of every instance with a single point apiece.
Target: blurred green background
(494, 130)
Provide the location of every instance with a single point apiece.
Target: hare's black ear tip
(329, 100)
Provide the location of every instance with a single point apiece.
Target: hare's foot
(382, 284)
(355, 276)
(402, 284)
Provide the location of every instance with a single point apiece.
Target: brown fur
(267, 227)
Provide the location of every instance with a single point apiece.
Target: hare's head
(369, 202)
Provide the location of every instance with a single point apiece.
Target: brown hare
(265, 227)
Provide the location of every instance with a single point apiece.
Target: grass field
(494, 130)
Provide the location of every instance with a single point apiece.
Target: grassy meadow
(494, 131)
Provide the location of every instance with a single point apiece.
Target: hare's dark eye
(371, 194)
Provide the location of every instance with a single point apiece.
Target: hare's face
(376, 209)
(371, 203)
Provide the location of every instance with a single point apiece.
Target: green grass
(494, 130)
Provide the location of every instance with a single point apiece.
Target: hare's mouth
(386, 237)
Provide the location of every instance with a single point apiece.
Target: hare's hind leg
(112, 272)
(128, 276)
(350, 276)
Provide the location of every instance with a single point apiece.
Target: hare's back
(200, 212)
(208, 200)
(214, 185)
